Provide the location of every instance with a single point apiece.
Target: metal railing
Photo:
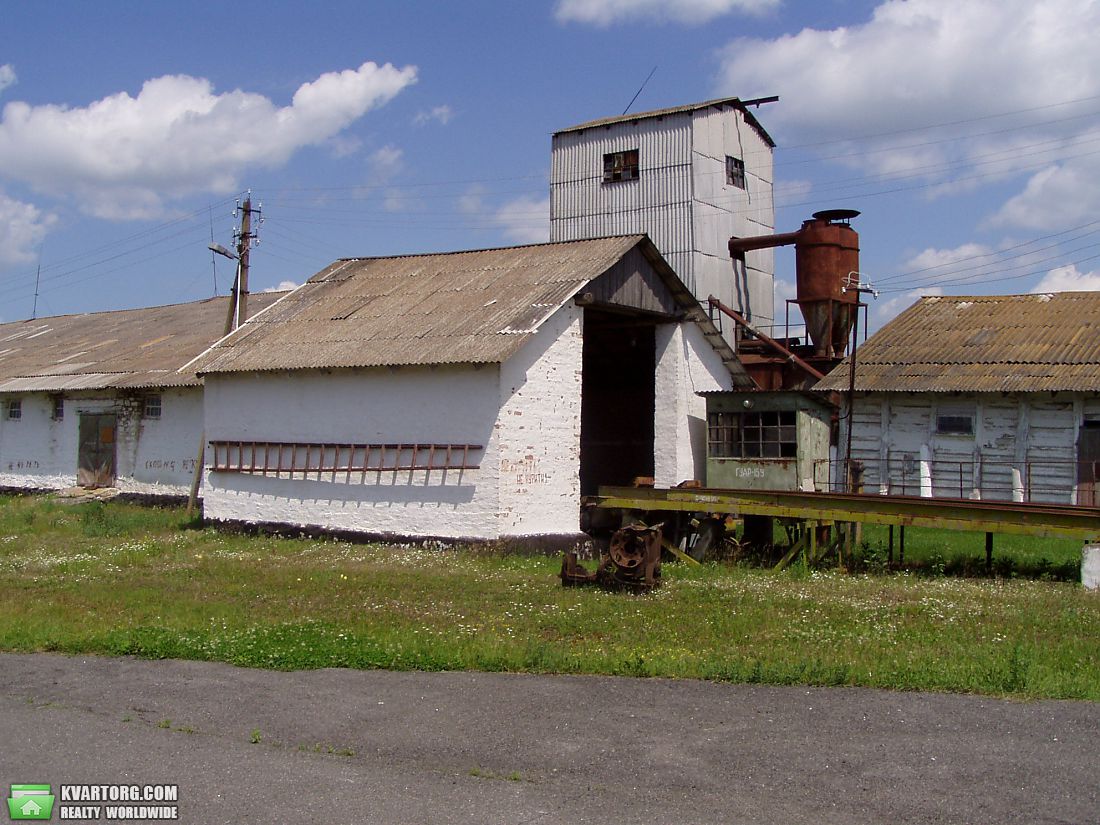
(1050, 480)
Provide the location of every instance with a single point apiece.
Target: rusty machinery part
(632, 561)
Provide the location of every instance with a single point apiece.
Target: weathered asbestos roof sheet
(735, 102)
(449, 308)
(132, 348)
(983, 343)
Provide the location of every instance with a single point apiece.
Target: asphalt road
(340, 746)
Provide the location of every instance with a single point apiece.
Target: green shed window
(765, 434)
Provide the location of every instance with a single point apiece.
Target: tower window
(735, 172)
(620, 166)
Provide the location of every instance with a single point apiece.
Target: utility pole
(238, 310)
(852, 283)
(238, 296)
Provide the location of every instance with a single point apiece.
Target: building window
(152, 406)
(954, 423)
(15, 409)
(724, 434)
(620, 166)
(766, 434)
(58, 413)
(735, 172)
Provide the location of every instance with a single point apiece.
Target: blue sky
(967, 132)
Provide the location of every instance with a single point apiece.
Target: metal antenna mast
(631, 103)
(37, 278)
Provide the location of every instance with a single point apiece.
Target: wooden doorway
(96, 451)
(618, 399)
(1088, 464)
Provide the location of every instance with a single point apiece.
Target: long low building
(987, 396)
(98, 399)
(473, 395)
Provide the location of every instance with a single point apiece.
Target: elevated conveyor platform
(1030, 518)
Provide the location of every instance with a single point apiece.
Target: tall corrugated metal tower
(691, 177)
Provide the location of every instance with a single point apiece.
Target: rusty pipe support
(771, 342)
(738, 245)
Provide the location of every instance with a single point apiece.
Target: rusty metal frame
(296, 458)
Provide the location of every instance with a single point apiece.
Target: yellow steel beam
(1030, 519)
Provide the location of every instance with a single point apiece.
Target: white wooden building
(472, 395)
(993, 397)
(691, 177)
(96, 399)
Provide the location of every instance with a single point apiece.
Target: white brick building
(96, 399)
(467, 395)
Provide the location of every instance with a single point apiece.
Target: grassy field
(121, 579)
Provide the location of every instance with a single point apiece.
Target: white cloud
(915, 63)
(525, 219)
(472, 201)
(932, 258)
(386, 163)
(283, 286)
(121, 156)
(398, 201)
(1068, 279)
(440, 114)
(7, 76)
(1057, 196)
(692, 12)
(22, 228)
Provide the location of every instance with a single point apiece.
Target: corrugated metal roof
(130, 348)
(983, 343)
(469, 307)
(735, 102)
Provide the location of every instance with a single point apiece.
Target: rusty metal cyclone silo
(826, 252)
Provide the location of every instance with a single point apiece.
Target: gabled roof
(474, 307)
(983, 343)
(130, 348)
(733, 102)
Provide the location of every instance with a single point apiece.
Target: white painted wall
(539, 430)
(686, 365)
(1033, 434)
(34, 448)
(409, 405)
(153, 456)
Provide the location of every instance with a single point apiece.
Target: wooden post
(196, 478)
(988, 552)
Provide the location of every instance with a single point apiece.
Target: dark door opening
(618, 390)
(96, 450)
(1088, 464)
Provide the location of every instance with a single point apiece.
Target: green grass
(116, 578)
(959, 553)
